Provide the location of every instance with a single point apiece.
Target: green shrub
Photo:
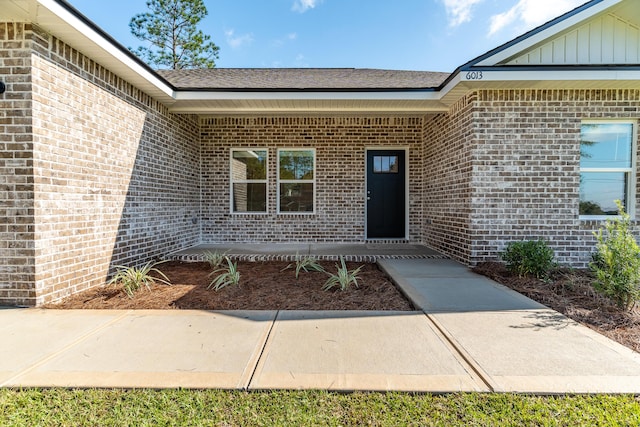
(529, 258)
(133, 278)
(616, 261)
(344, 278)
(228, 276)
(306, 263)
(215, 259)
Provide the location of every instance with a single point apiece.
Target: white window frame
(295, 181)
(632, 170)
(249, 181)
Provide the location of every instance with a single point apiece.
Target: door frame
(406, 190)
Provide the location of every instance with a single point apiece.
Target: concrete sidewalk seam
(65, 349)
(458, 348)
(246, 385)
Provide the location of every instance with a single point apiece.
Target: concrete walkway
(470, 335)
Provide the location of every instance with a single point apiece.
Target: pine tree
(170, 29)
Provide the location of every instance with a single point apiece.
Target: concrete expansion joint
(260, 354)
(480, 373)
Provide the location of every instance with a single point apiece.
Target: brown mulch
(263, 286)
(571, 293)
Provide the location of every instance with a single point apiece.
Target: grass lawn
(60, 407)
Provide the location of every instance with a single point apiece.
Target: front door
(386, 198)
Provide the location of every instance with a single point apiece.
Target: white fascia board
(455, 81)
(85, 30)
(547, 33)
(417, 95)
(549, 75)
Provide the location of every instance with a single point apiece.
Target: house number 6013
(474, 75)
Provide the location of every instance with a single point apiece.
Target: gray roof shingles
(228, 79)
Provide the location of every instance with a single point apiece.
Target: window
(296, 180)
(385, 164)
(606, 167)
(248, 180)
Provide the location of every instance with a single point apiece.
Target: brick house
(104, 161)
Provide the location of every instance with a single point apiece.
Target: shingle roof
(302, 78)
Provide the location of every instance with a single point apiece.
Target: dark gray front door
(386, 202)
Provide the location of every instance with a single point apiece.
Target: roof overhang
(64, 22)
(288, 102)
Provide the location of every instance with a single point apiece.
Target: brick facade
(17, 248)
(94, 173)
(340, 144)
(448, 139)
(115, 177)
(526, 167)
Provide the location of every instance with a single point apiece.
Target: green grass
(61, 407)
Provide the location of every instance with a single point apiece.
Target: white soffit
(538, 38)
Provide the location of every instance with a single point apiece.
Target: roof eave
(63, 21)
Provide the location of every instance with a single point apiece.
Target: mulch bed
(571, 293)
(263, 286)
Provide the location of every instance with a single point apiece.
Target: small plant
(304, 263)
(344, 278)
(133, 278)
(616, 261)
(229, 276)
(215, 259)
(529, 257)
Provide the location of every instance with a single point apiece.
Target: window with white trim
(607, 168)
(296, 180)
(248, 180)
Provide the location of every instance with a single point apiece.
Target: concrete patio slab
(361, 251)
(361, 351)
(373, 249)
(158, 349)
(541, 351)
(32, 336)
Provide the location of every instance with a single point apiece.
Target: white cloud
(288, 38)
(303, 5)
(531, 13)
(459, 11)
(236, 41)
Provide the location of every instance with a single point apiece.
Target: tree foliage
(170, 29)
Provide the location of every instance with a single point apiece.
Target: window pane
(296, 164)
(599, 190)
(296, 197)
(249, 197)
(385, 164)
(249, 164)
(377, 164)
(606, 145)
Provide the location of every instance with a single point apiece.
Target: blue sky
(427, 35)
